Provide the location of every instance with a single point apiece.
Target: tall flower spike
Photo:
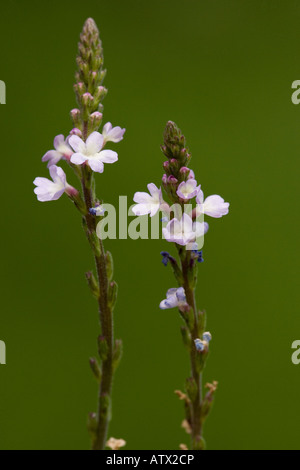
(89, 79)
(88, 157)
(183, 230)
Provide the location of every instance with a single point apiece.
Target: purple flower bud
(184, 170)
(172, 180)
(164, 179)
(76, 131)
(75, 113)
(166, 165)
(87, 99)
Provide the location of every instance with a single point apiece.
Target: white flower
(47, 190)
(175, 298)
(213, 205)
(188, 189)
(112, 134)
(148, 203)
(90, 151)
(62, 150)
(184, 231)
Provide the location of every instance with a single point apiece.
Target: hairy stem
(106, 322)
(196, 421)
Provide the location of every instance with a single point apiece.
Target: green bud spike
(174, 145)
(90, 73)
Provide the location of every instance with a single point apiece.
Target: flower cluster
(181, 186)
(75, 151)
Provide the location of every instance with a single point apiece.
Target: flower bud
(95, 369)
(76, 131)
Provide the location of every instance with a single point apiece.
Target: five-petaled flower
(215, 206)
(47, 190)
(91, 152)
(175, 298)
(188, 189)
(62, 150)
(148, 203)
(184, 231)
(112, 134)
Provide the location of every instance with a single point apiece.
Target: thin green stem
(106, 322)
(196, 421)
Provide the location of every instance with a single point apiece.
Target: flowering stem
(196, 330)
(106, 322)
(195, 419)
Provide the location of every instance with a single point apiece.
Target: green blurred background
(223, 71)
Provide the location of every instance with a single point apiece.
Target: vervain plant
(84, 151)
(185, 229)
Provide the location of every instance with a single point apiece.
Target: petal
(94, 143)
(170, 302)
(57, 174)
(115, 134)
(96, 165)
(181, 294)
(154, 209)
(58, 140)
(78, 158)
(141, 209)
(153, 189)
(52, 157)
(142, 198)
(171, 291)
(108, 156)
(215, 206)
(106, 128)
(39, 181)
(200, 197)
(77, 144)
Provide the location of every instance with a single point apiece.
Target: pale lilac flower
(62, 150)
(175, 298)
(112, 134)
(188, 189)
(90, 152)
(47, 190)
(148, 203)
(213, 205)
(184, 231)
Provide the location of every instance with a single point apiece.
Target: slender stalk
(106, 322)
(175, 180)
(196, 421)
